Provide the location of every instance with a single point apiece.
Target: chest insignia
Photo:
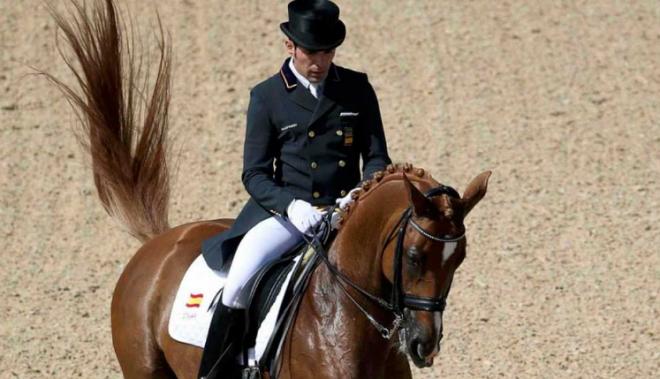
(348, 136)
(289, 127)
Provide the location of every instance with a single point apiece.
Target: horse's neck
(329, 323)
(357, 250)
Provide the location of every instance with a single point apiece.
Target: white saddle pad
(191, 318)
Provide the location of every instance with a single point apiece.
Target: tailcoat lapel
(301, 96)
(297, 93)
(329, 97)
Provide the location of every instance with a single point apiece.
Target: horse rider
(307, 128)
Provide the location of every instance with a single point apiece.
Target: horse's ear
(475, 191)
(421, 204)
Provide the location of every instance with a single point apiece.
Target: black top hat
(314, 24)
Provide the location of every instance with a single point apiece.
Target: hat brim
(311, 42)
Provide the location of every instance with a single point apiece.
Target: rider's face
(313, 65)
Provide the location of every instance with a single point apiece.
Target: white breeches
(264, 243)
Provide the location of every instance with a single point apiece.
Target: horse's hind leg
(135, 343)
(141, 373)
(138, 355)
(162, 373)
(142, 303)
(139, 358)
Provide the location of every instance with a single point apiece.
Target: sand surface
(558, 98)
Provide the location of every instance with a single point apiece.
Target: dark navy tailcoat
(298, 147)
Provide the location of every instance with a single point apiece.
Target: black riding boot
(226, 330)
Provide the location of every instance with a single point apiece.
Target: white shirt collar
(312, 87)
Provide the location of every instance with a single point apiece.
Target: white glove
(303, 215)
(342, 202)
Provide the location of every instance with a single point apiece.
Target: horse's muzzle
(423, 345)
(421, 353)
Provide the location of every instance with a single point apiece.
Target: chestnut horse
(376, 297)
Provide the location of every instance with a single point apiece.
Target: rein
(399, 300)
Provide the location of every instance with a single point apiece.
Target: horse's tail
(124, 124)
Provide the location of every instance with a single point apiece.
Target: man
(307, 128)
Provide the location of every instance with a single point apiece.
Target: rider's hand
(342, 202)
(303, 215)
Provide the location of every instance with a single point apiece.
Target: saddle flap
(264, 289)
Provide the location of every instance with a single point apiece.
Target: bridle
(399, 299)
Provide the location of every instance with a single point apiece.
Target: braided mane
(391, 172)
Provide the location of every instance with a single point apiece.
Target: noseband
(399, 300)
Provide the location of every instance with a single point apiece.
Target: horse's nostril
(418, 348)
(415, 347)
(420, 351)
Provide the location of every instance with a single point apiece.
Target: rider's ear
(475, 191)
(421, 204)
